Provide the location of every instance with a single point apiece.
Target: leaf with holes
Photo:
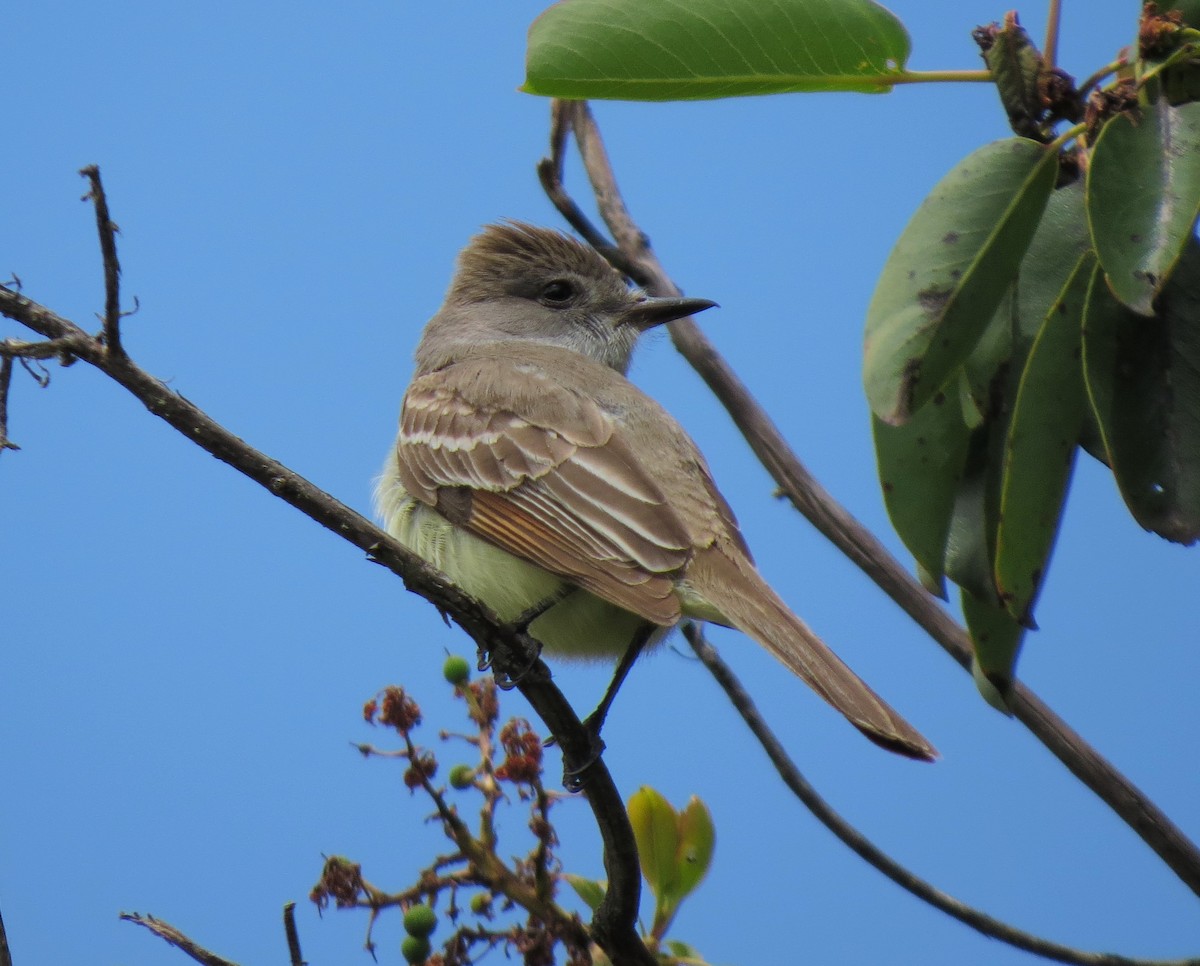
(673, 50)
(949, 270)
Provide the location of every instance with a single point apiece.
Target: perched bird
(542, 482)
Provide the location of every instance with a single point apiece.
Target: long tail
(735, 589)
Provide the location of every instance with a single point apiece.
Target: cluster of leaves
(1038, 302)
(1045, 297)
(675, 848)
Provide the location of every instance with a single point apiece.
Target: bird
(542, 482)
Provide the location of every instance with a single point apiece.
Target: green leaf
(1045, 424)
(996, 641)
(656, 831)
(1016, 66)
(988, 361)
(949, 270)
(920, 466)
(682, 950)
(697, 838)
(970, 542)
(1143, 380)
(669, 50)
(591, 891)
(1059, 242)
(1143, 196)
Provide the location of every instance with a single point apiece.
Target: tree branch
(164, 930)
(107, 231)
(5, 953)
(872, 854)
(613, 924)
(295, 958)
(830, 518)
(5, 383)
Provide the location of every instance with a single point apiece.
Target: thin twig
(837, 525)
(5, 442)
(1053, 23)
(107, 231)
(293, 936)
(613, 925)
(5, 953)
(164, 930)
(62, 349)
(877, 858)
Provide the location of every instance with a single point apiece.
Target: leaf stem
(1107, 70)
(1186, 52)
(934, 77)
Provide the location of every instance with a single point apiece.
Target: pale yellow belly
(580, 625)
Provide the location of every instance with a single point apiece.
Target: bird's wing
(545, 474)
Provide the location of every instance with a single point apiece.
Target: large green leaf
(1143, 380)
(949, 270)
(666, 50)
(1040, 452)
(1143, 196)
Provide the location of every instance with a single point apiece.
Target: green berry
(462, 776)
(415, 949)
(456, 670)
(481, 902)
(420, 921)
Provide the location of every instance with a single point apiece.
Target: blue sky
(184, 658)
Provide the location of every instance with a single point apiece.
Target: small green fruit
(420, 921)
(462, 776)
(481, 902)
(456, 670)
(415, 949)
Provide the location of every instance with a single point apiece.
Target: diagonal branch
(826, 514)
(164, 930)
(876, 857)
(613, 924)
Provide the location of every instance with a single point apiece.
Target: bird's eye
(558, 291)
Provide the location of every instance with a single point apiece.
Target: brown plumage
(521, 430)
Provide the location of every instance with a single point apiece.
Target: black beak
(649, 312)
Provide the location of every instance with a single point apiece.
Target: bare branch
(5, 954)
(838, 525)
(107, 231)
(5, 442)
(613, 925)
(164, 930)
(872, 854)
(293, 937)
